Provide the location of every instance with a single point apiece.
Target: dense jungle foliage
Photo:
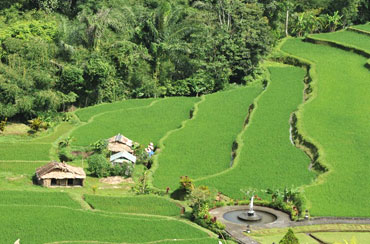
(58, 53)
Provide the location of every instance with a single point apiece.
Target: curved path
(283, 221)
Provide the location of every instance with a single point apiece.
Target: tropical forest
(184, 121)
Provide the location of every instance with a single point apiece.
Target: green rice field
(349, 38)
(204, 145)
(267, 158)
(23, 151)
(340, 127)
(365, 27)
(87, 113)
(341, 237)
(33, 198)
(134, 204)
(143, 125)
(39, 224)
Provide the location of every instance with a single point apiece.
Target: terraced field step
(337, 118)
(204, 145)
(266, 157)
(141, 124)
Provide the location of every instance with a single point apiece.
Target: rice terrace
(221, 121)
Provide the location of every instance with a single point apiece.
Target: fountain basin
(249, 216)
(237, 217)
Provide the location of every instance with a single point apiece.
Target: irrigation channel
(275, 219)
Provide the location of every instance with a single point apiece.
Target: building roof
(58, 170)
(120, 139)
(123, 154)
(120, 143)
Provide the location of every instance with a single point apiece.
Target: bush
(122, 170)
(98, 166)
(289, 238)
(2, 124)
(65, 155)
(37, 124)
(186, 184)
(100, 146)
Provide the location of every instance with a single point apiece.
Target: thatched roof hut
(120, 143)
(60, 174)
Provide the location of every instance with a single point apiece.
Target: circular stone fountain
(250, 216)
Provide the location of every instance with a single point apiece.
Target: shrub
(125, 170)
(65, 154)
(289, 238)
(100, 146)
(37, 124)
(2, 124)
(98, 166)
(186, 184)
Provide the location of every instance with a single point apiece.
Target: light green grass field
(338, 119)
(24, 151)
(142, 125)
(269, 239)
(204, 145)
(267, 158)
(341, 237)
(35, 224)
(87, 113)
(37, 198)
(134, 204)
(365, 27)
(20, 167)
(348, 38)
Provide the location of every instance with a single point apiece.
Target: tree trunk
(286, 23)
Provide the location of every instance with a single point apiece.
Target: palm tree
(164, 33)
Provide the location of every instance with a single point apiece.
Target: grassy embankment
(203, 146)
(337, 117)
(267, 158)
(134, 204)
(142, 124)
(39, 217)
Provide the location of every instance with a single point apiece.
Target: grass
(142, 125)
(20, 167)
(135, 204)
(25, 198)
(203, 146)
(267, 158)
(23, 151)
(347, 38)
(87, 113)
(303, 239)
(36, 224)
(365, 27)
(340, 237)
(338, 119)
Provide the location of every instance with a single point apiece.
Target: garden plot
(152, 205)
(204, 145)
(337, 117)
(142, 125)
(267, 158)
(38, 224)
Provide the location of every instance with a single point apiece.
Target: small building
(120, 143)
(60, 174)
(122, 157)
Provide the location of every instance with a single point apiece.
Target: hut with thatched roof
(60, 174)
(120, 143)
